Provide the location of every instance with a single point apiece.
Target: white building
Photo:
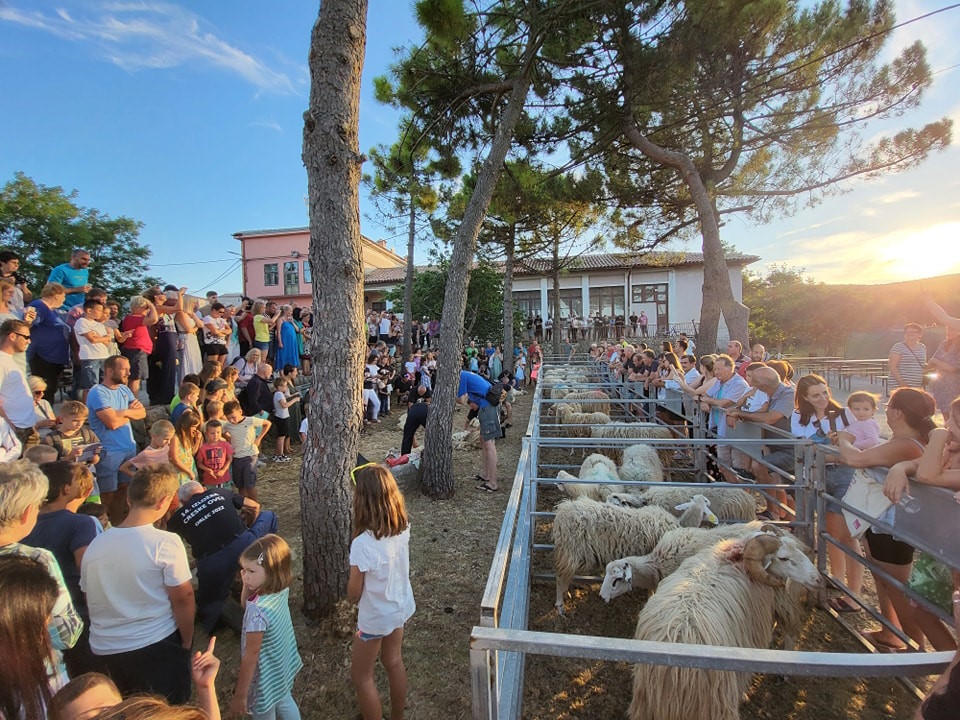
(666, 286)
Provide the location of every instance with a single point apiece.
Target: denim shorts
(90, 373)
(838, 481)
(108, 475)
(366, 637)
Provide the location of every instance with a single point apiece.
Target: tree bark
(555, 309)
(332, 158)
(408, 288)
(717, 293)
(510, 249)
(438, 450)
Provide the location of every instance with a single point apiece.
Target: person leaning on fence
(909, 415)
(721, 396)
(475, 391)
(777, 411)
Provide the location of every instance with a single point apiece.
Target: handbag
(866, 495)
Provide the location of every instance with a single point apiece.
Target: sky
(188, 117)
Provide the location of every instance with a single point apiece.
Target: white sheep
(641, 463)
(582, 420)
(729, 504)
(594, 467)
(644, 572)
(588, 534)
(728, 595)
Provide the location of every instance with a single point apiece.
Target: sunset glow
(922, 253)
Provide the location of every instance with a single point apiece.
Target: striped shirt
(911, 364)
(279, 661)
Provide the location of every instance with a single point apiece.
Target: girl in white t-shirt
(281, 418)
(380, 584)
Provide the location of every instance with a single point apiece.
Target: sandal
(484, 487)
(874, 638)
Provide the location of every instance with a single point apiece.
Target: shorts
(886, 548)
(244, 472)
(838, 481)
(108, 476)
(783, 459)
(138, 362)
(366, 637)
(90, 373)
(262, 346)
(490, 423)
(214, 350)
(282, 426)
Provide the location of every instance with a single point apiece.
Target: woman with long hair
(909, 415)
(946, 362)
(288, 352)
(27, 597)
(189, 323)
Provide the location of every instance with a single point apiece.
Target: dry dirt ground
(452, 544)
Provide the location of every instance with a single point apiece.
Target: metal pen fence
(501, 642)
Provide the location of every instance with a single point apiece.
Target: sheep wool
(728, 504)
(641, 463)
(588, 534)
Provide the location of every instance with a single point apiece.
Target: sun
(926, 252)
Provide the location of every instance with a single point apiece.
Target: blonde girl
(380, 584)
(229, 376)
(184, 445)
(268, 648)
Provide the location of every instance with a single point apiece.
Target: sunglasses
(353, 473)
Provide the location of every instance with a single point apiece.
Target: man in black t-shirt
(210, 522)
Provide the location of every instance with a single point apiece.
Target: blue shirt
(475, 387)
(101, 397)
(70, 277)
(48, 335)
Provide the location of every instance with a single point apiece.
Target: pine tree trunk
(331, 156)
(438, 449)
(717, 293)
(555, 309)
(510, 249)
(408, 288)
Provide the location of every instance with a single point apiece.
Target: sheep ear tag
(712, 519)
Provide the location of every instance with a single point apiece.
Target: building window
(291, 278)
(607, 301)
(270, 274)
(379, 306)
(652, 299)
(571, 302)
(527, 302)
(307, 272)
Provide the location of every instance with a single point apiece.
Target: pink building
(276, 264)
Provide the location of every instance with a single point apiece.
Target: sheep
(728, 595)
(644, 572)
(582, 419)
(594, 467)
(589, 534)
(641, 463)
(729, 504)
(466, 440)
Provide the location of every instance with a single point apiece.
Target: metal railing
(501, 642)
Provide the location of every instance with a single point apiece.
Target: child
(246, 434)
(281, 414)
(93, 340)
(229, 376)
(84, 697)
(213, 410)
(304, 429)
(189, 397)
(265, 680)
(864, 428)
(96, 511)
(195, 379)
(40, 454)
(380, 583)
(187, 439)
(156, 453)
(214, 456)
(72, 432)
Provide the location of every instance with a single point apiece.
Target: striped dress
(279, 660)
(911, 364)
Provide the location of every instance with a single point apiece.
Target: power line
(220, 277)
(195, 262)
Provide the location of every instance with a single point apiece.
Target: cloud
(896, 197)
(269, 124)
(144, 35)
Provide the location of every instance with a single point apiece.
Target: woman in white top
(188, 323)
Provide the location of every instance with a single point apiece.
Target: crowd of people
(732, 388)
(98, 505)
(597, 327)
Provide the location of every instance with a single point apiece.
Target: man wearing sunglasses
(475, 391)
(15, 393)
